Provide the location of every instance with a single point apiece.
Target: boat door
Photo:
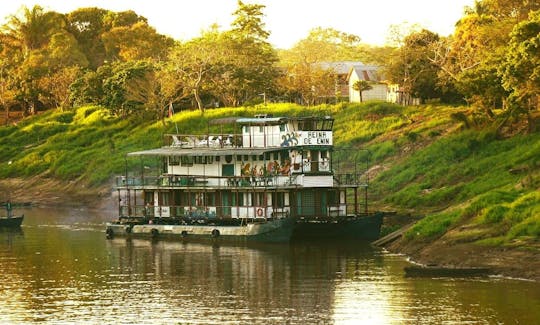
(311, 203)
(226, 201)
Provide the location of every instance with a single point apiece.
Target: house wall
(379, 91)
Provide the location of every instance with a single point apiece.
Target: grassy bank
(423, 161)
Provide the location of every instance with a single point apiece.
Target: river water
(60, 268)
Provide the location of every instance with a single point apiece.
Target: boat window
(333, 197)
(163, 198)
(253, 158)
(282, 127)
(266, 156)
(324, 154)
(245, 129)
(210, 199)
(174, 161)
(227, 170)
(186, 161)
(218, 158)
(261, 158)
(241, 200)
(246, 158)
(238, 158)
(327, 125)
(149, 197)
(259, 199)
(278, 199)
(261, 129)
(276, 155)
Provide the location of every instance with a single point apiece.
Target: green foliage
(433, 226)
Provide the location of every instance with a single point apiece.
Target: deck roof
(173, 151)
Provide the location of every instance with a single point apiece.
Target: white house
(371, 74)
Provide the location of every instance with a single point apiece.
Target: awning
(170, 151)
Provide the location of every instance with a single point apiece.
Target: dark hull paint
(276, 231)
(434, 271)
(12, 222)
(361, 228)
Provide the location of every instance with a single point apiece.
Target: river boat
(443, 271)
(10, 220)
(259, 178)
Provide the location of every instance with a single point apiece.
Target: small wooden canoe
(441, 271)
(11, 222)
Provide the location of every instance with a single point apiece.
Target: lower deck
(191, 203)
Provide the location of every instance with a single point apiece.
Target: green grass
(433, 226)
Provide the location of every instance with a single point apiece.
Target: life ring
(154, 232)
(128, 230)
(215, 233)
(259, 212)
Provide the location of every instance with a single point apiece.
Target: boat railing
(142, 211)
(209, 212)
(209, 181)
(203, 141)
(356, 179)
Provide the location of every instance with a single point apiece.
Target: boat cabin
(260, 167)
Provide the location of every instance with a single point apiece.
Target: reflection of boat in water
(275, 175)
(10, 220)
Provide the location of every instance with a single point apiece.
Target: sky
(288, 21)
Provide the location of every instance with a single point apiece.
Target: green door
(226, 204)
(311, 203)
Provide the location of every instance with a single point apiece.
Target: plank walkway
(392, 236)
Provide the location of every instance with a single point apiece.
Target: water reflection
(60, 268)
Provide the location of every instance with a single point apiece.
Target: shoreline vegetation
(476, 187)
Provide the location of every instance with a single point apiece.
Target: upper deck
(261, 151)
(258, 133)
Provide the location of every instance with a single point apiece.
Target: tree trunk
(7, 113)
(198, 99)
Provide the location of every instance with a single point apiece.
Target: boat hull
(11, 222)
(359, 227)
(277, 230)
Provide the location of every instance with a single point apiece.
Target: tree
(30, 32)
(307, 82)
(473, 55)
(251, 66)
(56, 87)
(7, 76)
(412, 68)
(87, 26)
(521, 68)
(197, 63)
(324, 45)
(136, 42)
(33, 28)
(360, 86)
